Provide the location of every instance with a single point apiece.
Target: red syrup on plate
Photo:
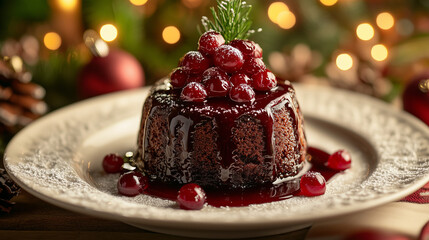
(262, 194)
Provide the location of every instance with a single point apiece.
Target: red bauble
(416, 99)
(117, 71)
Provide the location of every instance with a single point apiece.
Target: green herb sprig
(231, 20)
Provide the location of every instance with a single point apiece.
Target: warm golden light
(52, 41)
(275, 9)
(365, 31)
(385, 20)
(108, 32)
(328, 2)
(138, 2)
(379, 52)
(67, 5)
(286, 20)
(344, 61)
(171, 35)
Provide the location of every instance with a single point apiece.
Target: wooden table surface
(32, 218)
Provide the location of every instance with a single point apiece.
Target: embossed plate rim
(211, 219)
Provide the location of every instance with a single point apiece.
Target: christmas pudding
(222, 119)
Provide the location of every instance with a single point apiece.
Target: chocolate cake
(222, 119)
(219, 142)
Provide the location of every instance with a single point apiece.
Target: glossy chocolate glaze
(169, 154)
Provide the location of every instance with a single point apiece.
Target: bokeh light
(385, 20)
(328, 2)
(171, 34)
(108, 32)
(67, 5)
(379, 52)
(286, 20)
(344, 61)
(138, 2)
(275, 9)
(365, 31)
(52, 40)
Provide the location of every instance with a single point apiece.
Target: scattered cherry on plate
(112, 163)
(132, 184)
(312, 184)
(340, 160)
(191, 197)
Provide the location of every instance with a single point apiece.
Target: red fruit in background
(209, 42)
(253, 66)
(416, 97)
(117, 71)
(246, 47)
(264, 81)
(179, 77)
(239, 78)
(195, 62)
(340, 160)
(112, 163)
(242, 93)
(132, 184)
(191, 197)
(424, 233)
(193, 92)
(312, 184)
(228, 58)
(376, 235)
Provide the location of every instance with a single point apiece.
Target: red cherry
(112, 163)
(209, 42)
(242, 93)
(195, 78)
(246, 47)
(179, 77)
(264, 81)
(253, 66)
(191, 197)
(228, 58)
(195, 62)
(340, 160)
(132, 184)
(193, 92)
(214, 72)
(217, 87)
(239, 78)
(258, 50)
(312, 184)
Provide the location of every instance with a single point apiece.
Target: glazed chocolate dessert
(221, 119)
(220, 142)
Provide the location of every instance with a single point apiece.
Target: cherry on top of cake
(227, 64)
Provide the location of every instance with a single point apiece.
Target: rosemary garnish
(231, 20)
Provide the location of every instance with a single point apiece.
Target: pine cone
(8, 190)
(20, 100)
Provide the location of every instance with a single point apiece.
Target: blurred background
(375, 47)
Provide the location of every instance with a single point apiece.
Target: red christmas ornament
(416, 97)
(110, 70)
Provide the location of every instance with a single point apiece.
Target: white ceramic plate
(58, 159)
